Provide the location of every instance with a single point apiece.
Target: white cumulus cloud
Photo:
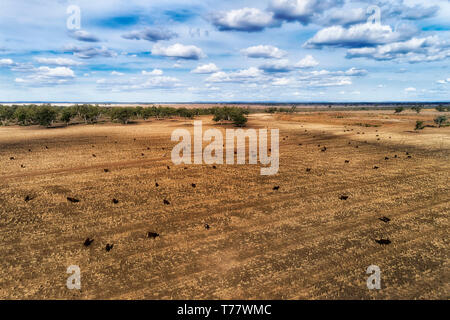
(264, 51)
(179, 51)
(307, 62)
(154, 72)
(245, 19)
(58, 61)
(206, 69)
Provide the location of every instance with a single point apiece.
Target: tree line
(46, 115)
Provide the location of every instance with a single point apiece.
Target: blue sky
(182, 51)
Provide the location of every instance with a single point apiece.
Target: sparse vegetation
(441, 108)
(272, 110)
(367, 125)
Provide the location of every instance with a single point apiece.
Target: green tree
(419, 125)
(138, 111)
(45, 115)
(418, 109)
(123, 115)
(239, 120)
(6, 114)
(186, 113)
(25, 115)
(440, 120)
(88, 113)
(67, 114)
(149, 112)
(399, 109)
(219, 115)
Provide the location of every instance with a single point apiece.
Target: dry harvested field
(298, 242)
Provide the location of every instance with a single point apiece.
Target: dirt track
(300, 242)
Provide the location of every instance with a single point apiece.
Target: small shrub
(399, 109)
(418, 109)
(419, 125)
(272, 110)
(440, 121)
(239, 120)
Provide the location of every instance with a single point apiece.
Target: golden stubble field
(298, 242)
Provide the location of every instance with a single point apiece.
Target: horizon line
(231, 102)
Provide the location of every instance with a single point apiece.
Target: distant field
(298, 242)
(256, 106)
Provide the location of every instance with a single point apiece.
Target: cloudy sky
(265, 50)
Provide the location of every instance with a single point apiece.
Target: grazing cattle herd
(153, 235)
(334, 201)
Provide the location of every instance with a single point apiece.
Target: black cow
(88, 242)
(73, 200)
(152, 235)
(383, 241)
